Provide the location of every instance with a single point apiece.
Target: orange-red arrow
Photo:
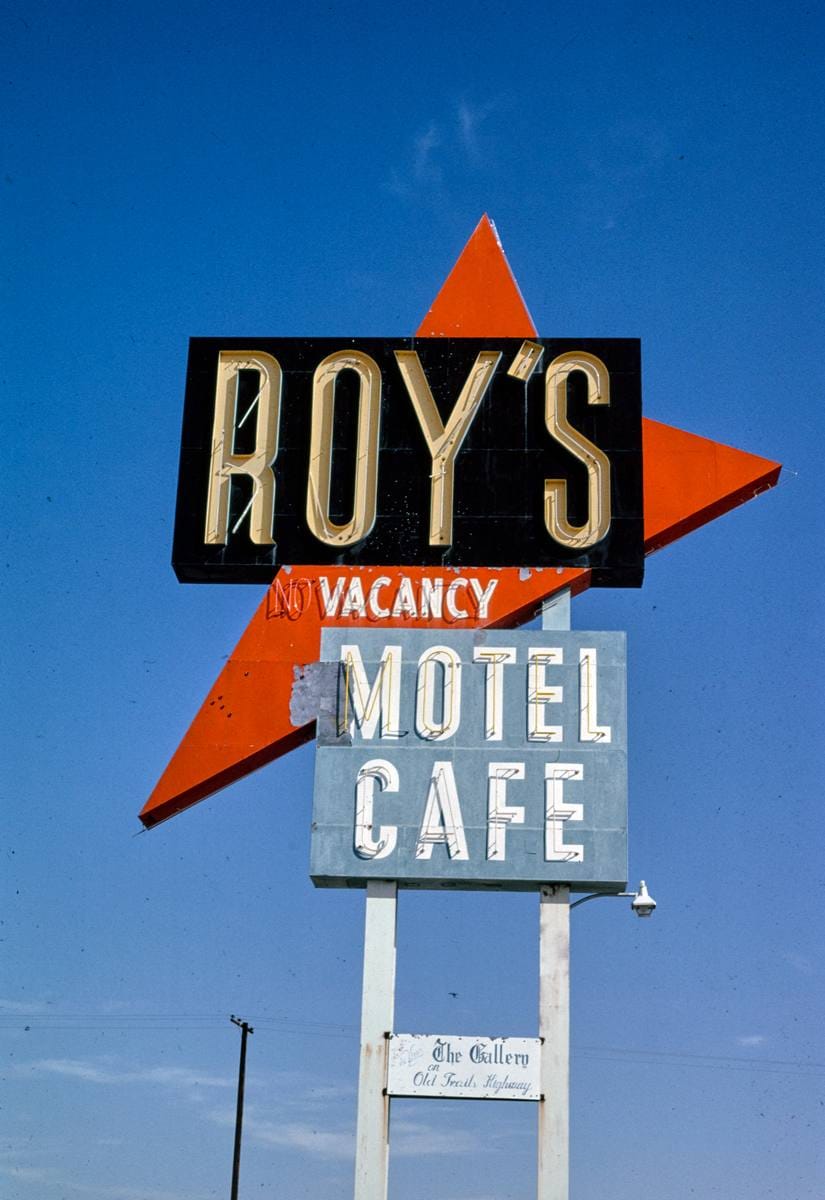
(246, 720)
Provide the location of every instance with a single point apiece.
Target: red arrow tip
(480, 297)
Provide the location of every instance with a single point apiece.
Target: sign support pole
(377, 1010)
(554, 1030)
(554, 1005)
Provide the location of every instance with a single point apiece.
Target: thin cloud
(332, 1091)
(425, 168)
(57, 1178)
(306, 1094)
(325, 1143)
(32, 1174)
(293, 1135)
(618, 168)
(120, 1192)
(470, 118)
(751, 1039)
(422, 173)
(24, 1173)
(94, 1072)
(799, 962)
(455, 138)
(310, 1133)
(411, 1137)
(25, 1008)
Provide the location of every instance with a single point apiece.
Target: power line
(295, 1027)
(732, 1058)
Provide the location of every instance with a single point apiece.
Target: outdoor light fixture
(642, 902)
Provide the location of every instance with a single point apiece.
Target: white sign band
(463, 1068)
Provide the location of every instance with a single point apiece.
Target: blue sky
(181, 169)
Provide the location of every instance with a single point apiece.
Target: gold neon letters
(444, 441)
(258, 465)
(366, 453)
(597, 463)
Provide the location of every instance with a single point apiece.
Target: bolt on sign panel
(470, 759)
(399, 451)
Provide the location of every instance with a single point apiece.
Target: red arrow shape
(247, 719)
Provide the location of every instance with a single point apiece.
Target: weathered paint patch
(313, 689)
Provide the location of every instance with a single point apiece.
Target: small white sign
(463, 1068)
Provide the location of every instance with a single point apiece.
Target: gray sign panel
(483, 758)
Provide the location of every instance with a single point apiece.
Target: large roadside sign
(408, 501)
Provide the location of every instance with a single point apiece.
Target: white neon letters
(438, 685)
(499, 814)
(443, 823)
(369, 705)
(539, 694)
(494, 658)
(471, 798)
(376, 771)
(589, 728)
(556, 812)
(438, 694)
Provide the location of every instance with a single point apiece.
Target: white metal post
(554, 1029)
(377, 1008)
(554, 1005)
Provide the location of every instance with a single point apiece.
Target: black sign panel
(410, 451)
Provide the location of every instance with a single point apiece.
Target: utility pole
(245, 1029)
